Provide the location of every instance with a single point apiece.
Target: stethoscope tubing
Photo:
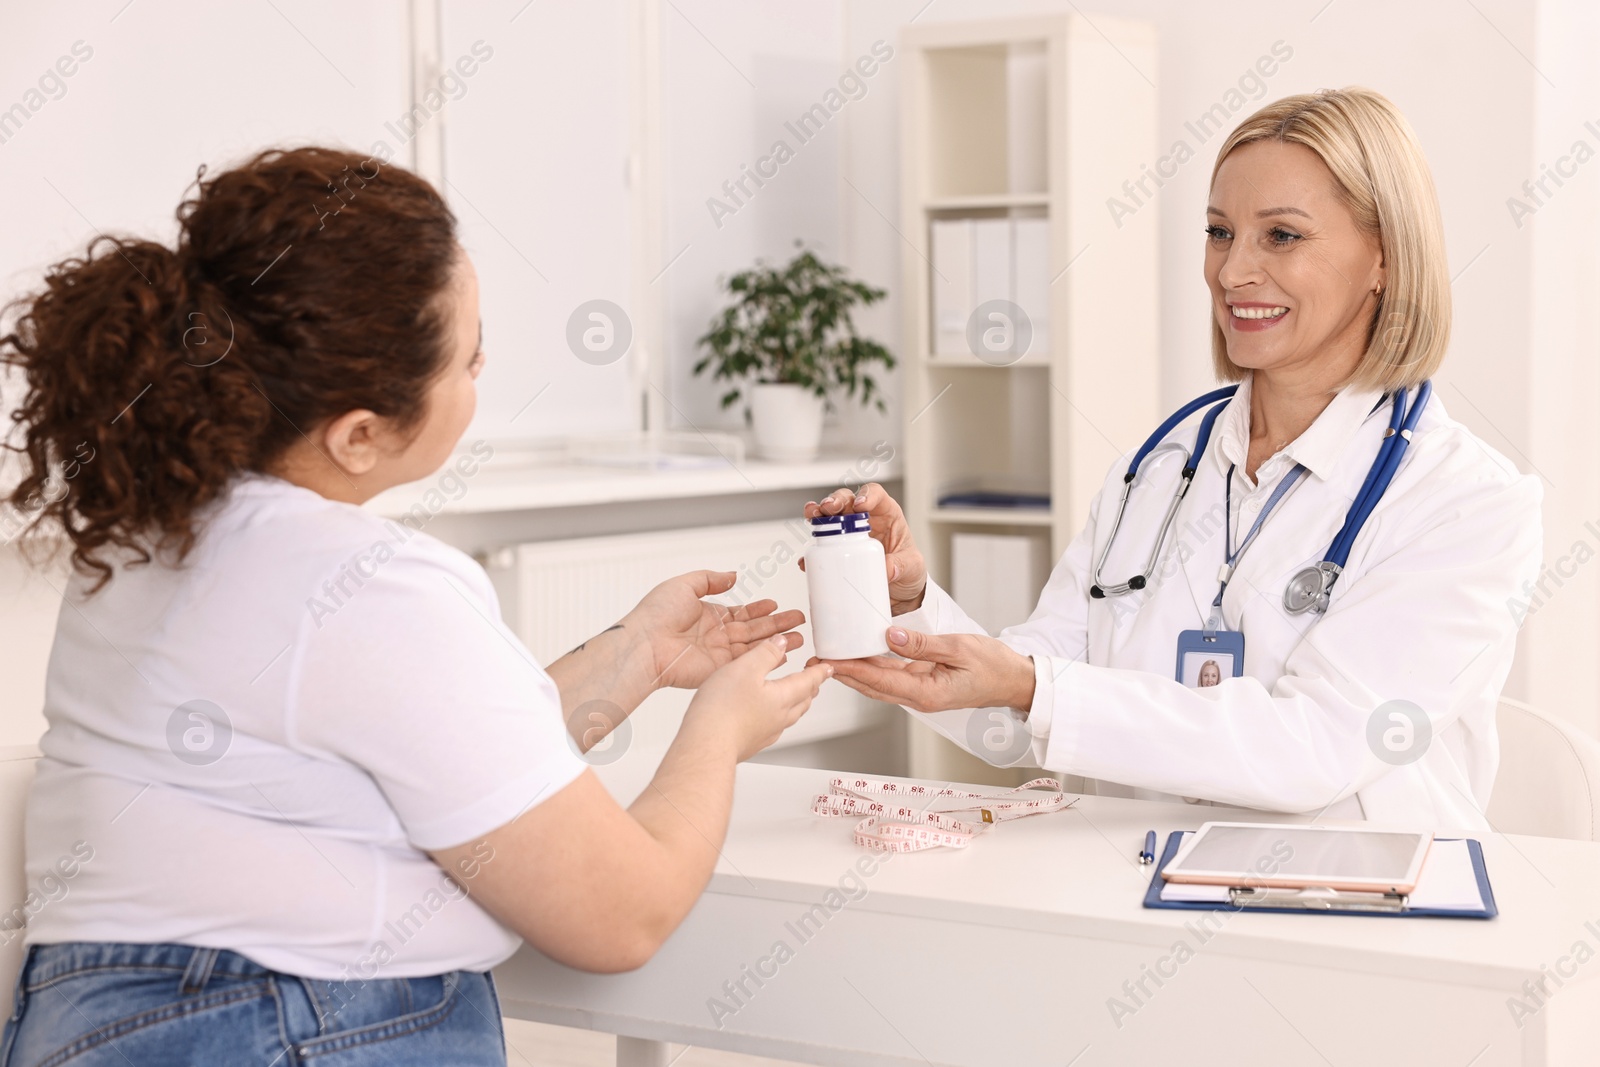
(1152, 443)
(1402, 422)
(1225, 393)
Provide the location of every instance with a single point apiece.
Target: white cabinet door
(536, 167)
(159, 87)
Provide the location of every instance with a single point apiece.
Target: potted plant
(787, 341)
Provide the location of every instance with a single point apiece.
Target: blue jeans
(101, 1004)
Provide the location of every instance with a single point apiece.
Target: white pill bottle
(848, 580)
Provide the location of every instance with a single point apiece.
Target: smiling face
(1290, 273)
(1210, 674)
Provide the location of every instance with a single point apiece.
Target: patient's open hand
(690, 638)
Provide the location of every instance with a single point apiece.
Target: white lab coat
(1425, 612)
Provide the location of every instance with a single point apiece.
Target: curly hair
(305, 283)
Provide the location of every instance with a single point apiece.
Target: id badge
(1205, 661)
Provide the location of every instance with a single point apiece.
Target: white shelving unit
(1028, 118)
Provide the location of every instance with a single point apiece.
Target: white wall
(1562, 633)
(29, 600)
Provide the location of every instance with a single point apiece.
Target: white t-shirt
(372, 705)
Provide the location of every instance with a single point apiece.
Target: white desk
(1008, 954)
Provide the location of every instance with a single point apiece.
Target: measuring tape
(890, 827)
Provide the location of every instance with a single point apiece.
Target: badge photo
(1204, 660)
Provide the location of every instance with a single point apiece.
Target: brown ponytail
(305, 283)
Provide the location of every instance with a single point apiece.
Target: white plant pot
(787, 420)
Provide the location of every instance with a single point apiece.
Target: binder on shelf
(981, 259)
(951, 285)
(1030, 248)
(991, 260)
(1454, 884)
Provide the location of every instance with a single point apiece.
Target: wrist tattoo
(585, 645)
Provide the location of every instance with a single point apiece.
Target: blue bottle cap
(850, 522)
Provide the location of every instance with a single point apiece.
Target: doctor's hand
(689, 638)
(908, 573)
(942, 671)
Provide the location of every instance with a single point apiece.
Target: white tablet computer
(1294, 857)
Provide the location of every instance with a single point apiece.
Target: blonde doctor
(1322, 624)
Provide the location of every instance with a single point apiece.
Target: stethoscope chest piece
(1310, 589)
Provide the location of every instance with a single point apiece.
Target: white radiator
(556, 594)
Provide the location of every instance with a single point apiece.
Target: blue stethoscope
(1311, 588)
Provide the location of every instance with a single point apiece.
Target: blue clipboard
(1152, 897)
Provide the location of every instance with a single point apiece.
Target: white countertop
(512, 482)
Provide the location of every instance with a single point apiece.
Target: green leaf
(793, 324)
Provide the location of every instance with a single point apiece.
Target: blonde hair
(1380, 174)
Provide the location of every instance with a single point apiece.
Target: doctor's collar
(1322, 445)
